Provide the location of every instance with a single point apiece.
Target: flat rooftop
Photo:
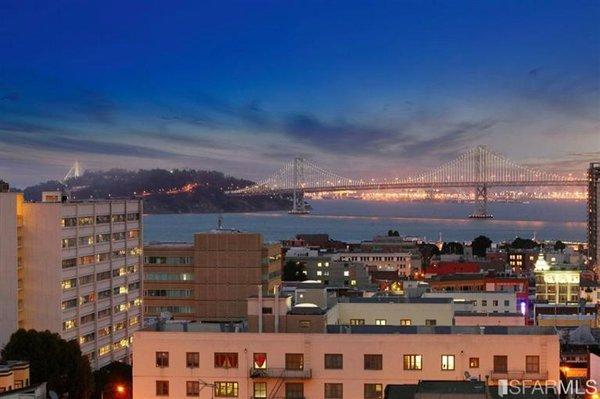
(391, 299)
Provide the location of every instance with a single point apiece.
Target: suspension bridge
(478, 168)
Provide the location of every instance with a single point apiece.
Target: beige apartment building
(345, 362)
(72, 267)
(211, 278)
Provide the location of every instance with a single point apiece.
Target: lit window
(162, 359)
(192, 388)
(346, 273)
(474, 362)
(447, 362)
(380, 322)
(413, 362)
(405, 322)
(260, 390)
(352, 282)
(373, 391)
(319, 273)
(260, 360)
(227, 389)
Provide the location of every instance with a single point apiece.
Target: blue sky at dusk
(367, 89)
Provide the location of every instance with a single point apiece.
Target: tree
(293, 271)
(393, 233)
(428, 251)
(559, 246)
(51, 359)
(455, 248)
(480, 245)
(524, 243)
(109, 378)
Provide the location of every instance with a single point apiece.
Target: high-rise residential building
(211, 278)
(72, 267)
(594, 215)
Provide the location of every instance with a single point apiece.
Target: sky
(367, 89)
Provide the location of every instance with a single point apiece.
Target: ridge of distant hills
(164, 191)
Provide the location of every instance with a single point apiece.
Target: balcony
(280, 373)
(518, 375)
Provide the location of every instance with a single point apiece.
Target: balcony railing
(518, 375)
(280, 373)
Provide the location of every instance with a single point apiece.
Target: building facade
(346, 362)
(78, 272)
(210, 279)
(594, 215)
(404, 263)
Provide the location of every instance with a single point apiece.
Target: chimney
(276, 322)
(260, 309)
(4, 187)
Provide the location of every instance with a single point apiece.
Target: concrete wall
(478, 299)
(353, 347)
(8, 266)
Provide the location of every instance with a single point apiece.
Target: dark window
(500, 364)
(430, 322)
(294, 390)
(162, 388)
(532, 364)
(373, 362)
(334, 361)
(357, 322)
(266, 310)
(334, 391)
(294, 361)
(192, 359)
(162, 359)
(373, 391)
(226, 360)
(192, 388)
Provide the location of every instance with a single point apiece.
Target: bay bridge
(478, 168)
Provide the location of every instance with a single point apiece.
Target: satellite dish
(53, 395)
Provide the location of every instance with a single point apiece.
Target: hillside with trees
(164, 191)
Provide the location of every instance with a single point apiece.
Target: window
(495, 302)
(226, 389)
(334, 361)
(373, 362)
(192, 359)
(68, 222)
(373, 391)
(87, 338)
(118, 218)
(294, 390)
(71, 283)
(532, 364)
(294, 361)
(334, 391)
(405, 322)
(226, 360)
(260, 360)
(447, 362)
(71, 303)
(162, 388)
(357, 322)
(162, 359)
(413, 362)
(69, 324)
(500, 364)
(66, 263)
(88, 318)
(260, 390)
(86, 240)
(474, 362)
(87, 260)
(380, 322)
(192, 388)
(304, 324)
(102, 237)
(483, 302)
(86, 221)
(68, 243)
(102, 219)
(507, 303)
(430, 322)
(86, 279)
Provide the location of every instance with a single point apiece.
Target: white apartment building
(73, 267)
(482, 301)
(404, 263)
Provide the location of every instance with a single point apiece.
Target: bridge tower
(480, 172)
(298, 204)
